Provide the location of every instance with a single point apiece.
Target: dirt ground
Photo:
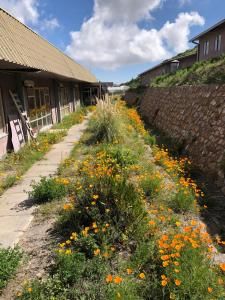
(37, 244)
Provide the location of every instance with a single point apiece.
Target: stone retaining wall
(194, 116)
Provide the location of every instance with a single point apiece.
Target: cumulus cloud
(24, 10)
(27, 11)
(112, 37)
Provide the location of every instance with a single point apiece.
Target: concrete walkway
(16, 211)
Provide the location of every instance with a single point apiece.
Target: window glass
(39, 110)
(206, 48)
(218, 42)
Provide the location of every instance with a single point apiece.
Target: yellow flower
(164, 282)
(222, 267)
(68, 242)
(178, 224)
(97, 252)
(151, 222)
(210, 290)
(67, 206)
(142, 275)
(94, 225)
(177, 282)
(118, 280)
(68, 251)
(165, 263)
(109, 278)
(95, 197)
(19, 294)
(129, 271)
(29, 290)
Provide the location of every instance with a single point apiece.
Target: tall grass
(105, 124)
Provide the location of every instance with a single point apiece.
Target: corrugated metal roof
(222, 22)
(20, 45)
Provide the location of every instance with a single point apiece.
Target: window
(64, 102)
(2, 120)
(39, 107)
(206, 48)
(218, 42)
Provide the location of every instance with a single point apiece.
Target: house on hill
(211, 42)
(48, 83)
(180, 61)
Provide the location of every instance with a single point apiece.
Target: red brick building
(211, 42)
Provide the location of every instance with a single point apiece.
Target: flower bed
(130, 223)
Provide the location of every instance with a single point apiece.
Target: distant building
(180, 61)
(211, 42)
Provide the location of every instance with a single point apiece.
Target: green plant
(151, 185)
(183, 201)
(47, 189)
(9, 261)
(104, 125)
(150, 139)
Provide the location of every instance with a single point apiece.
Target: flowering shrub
(123, 234)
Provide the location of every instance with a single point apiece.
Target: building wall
(148, 76)
(195, 117)
(187, 61)
(15, 83)
(211, 37)
(166, 68)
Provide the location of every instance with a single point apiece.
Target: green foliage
(72, 119)
(183, 201)
(9, 261)
(151, 185)
(47, 189)
(150, 139)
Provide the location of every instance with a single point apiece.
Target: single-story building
(211, 42)
(180, 61)
(48, 83)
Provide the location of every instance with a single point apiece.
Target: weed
(9, 261)
(48, 189)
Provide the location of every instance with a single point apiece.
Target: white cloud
(112, 37)
(50, 24)
(27, 11)
(184, 2)
(24, 10)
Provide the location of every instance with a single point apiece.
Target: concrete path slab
(16, 210)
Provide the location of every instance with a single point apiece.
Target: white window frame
(2, 130)
(218, 42)
(45, 119)
(206, 48)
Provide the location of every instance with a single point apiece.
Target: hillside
(203, 72)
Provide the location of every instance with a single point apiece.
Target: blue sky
(118, 39)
